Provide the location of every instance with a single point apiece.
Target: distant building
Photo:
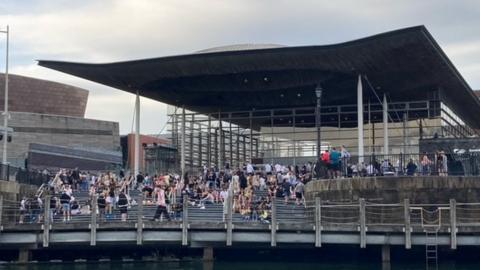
(156, 154)
(52, 114)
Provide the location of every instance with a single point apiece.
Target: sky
(118, 30)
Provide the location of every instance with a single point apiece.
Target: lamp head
(318, 91)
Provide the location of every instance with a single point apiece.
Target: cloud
(118, 30)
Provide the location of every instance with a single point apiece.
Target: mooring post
(93, 221)
(140, 221)
(453, 223)
(185, 220)
(273, 226)
(229, 203)
(24, 255)
(385, 257)
(408, 228)
(208, 253)
(363, 227)
(46, 221)
(318, 222)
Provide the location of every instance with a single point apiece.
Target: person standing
(65, 201)
(345, 155)
(161, 204)
(299, 190)
(123, 205)
(411, 168)
(335, 163)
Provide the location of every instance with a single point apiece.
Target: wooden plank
(46, 221)
(318, 222)
(93, 221)
(185, 221)
(408, 227)
(140, 221)
(363, 227)
(273, 228)
(453, 224)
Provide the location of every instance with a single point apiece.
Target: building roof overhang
(406, 64)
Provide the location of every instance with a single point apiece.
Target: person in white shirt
(268, 169)
(278, 168)
(250, 169)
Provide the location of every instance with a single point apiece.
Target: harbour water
(234, 265)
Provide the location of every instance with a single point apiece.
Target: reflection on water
(199, 265)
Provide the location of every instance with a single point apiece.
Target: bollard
(140, 221)
(185, 220)
(46, 221)
(453, 224)
(318, 222)
(229, 217)
(93, 221)
(408, 228)
(273, 227)
(363, 227)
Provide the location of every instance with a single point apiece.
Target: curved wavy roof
(407, 64)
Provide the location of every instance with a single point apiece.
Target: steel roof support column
(191, 139)
(318, 125)
(272, 152)
(251, 136)
(182, 150)
(230, 142)
(238, 147)
(361, 152)
(137, 136)
(294, 139)
(200, 145)
(385, 126)
(222, 144)
(209, 142)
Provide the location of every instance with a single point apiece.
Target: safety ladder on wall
(431, 221)
(431, 247)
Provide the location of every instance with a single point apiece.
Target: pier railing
(360, 217)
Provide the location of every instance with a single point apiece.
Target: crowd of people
(340, 164)
(252, 187)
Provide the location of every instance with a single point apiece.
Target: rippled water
(198, 265)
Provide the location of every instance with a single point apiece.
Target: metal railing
(459, 164)
(21, 175)
(322, 216)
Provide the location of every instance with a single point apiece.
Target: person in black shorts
(101, 206)
(123, 205)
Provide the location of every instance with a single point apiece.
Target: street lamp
(5, 110)
(318, 93)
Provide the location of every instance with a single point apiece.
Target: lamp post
(5, 110)
(318, 93)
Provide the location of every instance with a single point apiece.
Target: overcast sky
(118, 30)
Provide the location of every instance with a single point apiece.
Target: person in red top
(161, 203)
(326, 157)
(327, 162)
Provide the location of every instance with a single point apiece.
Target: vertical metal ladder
(431, 247)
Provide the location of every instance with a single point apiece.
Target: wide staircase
(287, 213)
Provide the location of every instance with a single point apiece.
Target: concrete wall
(59, 130)
(429, 189)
